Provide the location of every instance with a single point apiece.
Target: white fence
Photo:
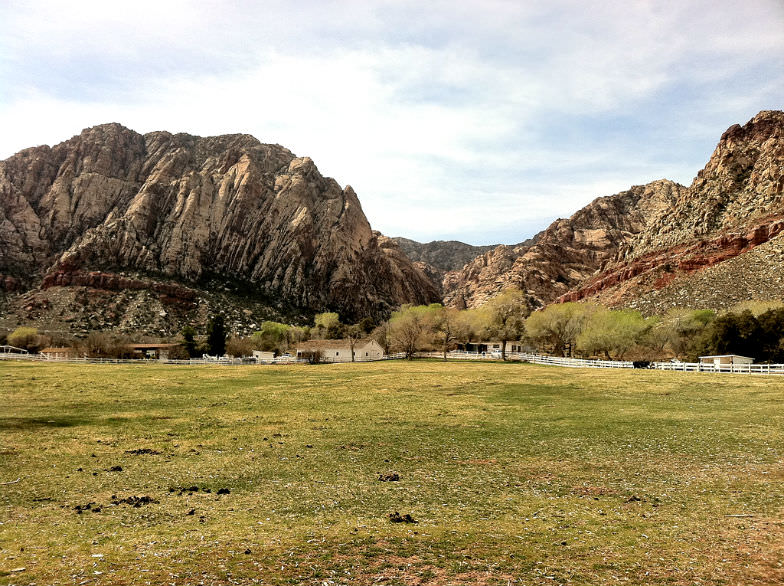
(773, 369)
(221, 361)
(585, 363)
(676, 366)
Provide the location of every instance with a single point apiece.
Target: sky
(480, 121)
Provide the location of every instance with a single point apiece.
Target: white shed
(726, 360)
(262, 356)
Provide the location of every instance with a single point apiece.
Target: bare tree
(408, 326)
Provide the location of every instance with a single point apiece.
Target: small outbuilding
(262, 356)
(58, 353)
(726, 360)
(160, 351)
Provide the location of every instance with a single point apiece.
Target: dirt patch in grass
(585, 490)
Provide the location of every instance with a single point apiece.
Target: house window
(337, 353)
(366, 354)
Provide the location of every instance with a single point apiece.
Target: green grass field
(514, 474)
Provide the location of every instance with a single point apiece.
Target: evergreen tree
(216, 335)
(189, 343)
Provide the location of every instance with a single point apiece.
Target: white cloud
(448, 118)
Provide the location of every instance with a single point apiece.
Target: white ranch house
(340, 350)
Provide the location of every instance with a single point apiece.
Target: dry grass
(515, 474)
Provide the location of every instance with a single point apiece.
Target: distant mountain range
(117, 230)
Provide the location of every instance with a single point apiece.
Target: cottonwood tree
(685, 329)
(272, 336)
(606, 331)
(558, 325)
(25, 337)
(381, 335)
(506, 315)
(469, 324)
(328, 326)
(409, 326)
(446, 326)
(353, 334)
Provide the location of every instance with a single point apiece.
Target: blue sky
(480, 121)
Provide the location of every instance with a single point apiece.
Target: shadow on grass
(26, 423)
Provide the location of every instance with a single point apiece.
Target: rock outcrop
(565, 254)
(183, 209)
(439, 257)
(657, 237)
(735, 204)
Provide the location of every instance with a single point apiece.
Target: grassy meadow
(514, 473)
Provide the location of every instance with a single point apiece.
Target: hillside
(734, 205)
(566, 253)
(651, 247)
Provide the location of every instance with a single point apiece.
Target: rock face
(646, 247)
(566, 253)
(185, 209)
(443, 255)
(735, 204)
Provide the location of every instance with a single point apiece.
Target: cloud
(485, 119)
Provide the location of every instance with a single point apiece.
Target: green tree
(272, 336)
(557, 326)
(328, 326)
(469, 325)
(685, 329)
(506, 315)
(189, 341)
(409, 327)
(611, 332)
(25, 337)
(732, 333)
(446, 326)
(216, 335)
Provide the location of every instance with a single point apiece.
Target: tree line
(586, 330)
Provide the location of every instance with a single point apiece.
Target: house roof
(67, 350)
(151, 346)
(311, 345)
(726, 356)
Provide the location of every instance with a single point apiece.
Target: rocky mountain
(443, 255)
(702, 251)
(565, 254)
(182, 217)
(658, 245)
(439, 257)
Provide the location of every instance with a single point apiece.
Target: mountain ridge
(181, 207)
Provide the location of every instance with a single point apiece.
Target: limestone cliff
(187, 209)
